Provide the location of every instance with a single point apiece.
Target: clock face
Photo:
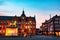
(22, 17)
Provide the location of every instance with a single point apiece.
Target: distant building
(44, 27)
(52, 26)
(25, 25)
(37, 31)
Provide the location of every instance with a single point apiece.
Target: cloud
(2, 14)
(10, 9)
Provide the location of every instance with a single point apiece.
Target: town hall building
(17, 25)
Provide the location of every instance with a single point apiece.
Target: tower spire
(23, 13)
(50, 16)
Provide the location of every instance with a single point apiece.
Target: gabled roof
(56, 16)
(7, 17)
(19, 18)
(33, 18)
(11, 18)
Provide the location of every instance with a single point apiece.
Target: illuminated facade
(14, 25)
(51, 26)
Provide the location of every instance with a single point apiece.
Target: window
(51, 28)
(56, 22)
(59, 19)
(34, 27)
(31, 26)
(51, 22)
(33, 22)
(18, 22)
(0, 27)
(26, 23)
(56, 19)
(30, 23)
(59, 22)
(0, 22)
(57, 25)
(5, 22)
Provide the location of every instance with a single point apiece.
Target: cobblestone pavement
(36, 37)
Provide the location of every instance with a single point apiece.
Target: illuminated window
(26, 23)
(30, 21)
(0, 28)
(11, 32)
(26, 27)
(33, 23)
(33, 26)
(21, 27)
